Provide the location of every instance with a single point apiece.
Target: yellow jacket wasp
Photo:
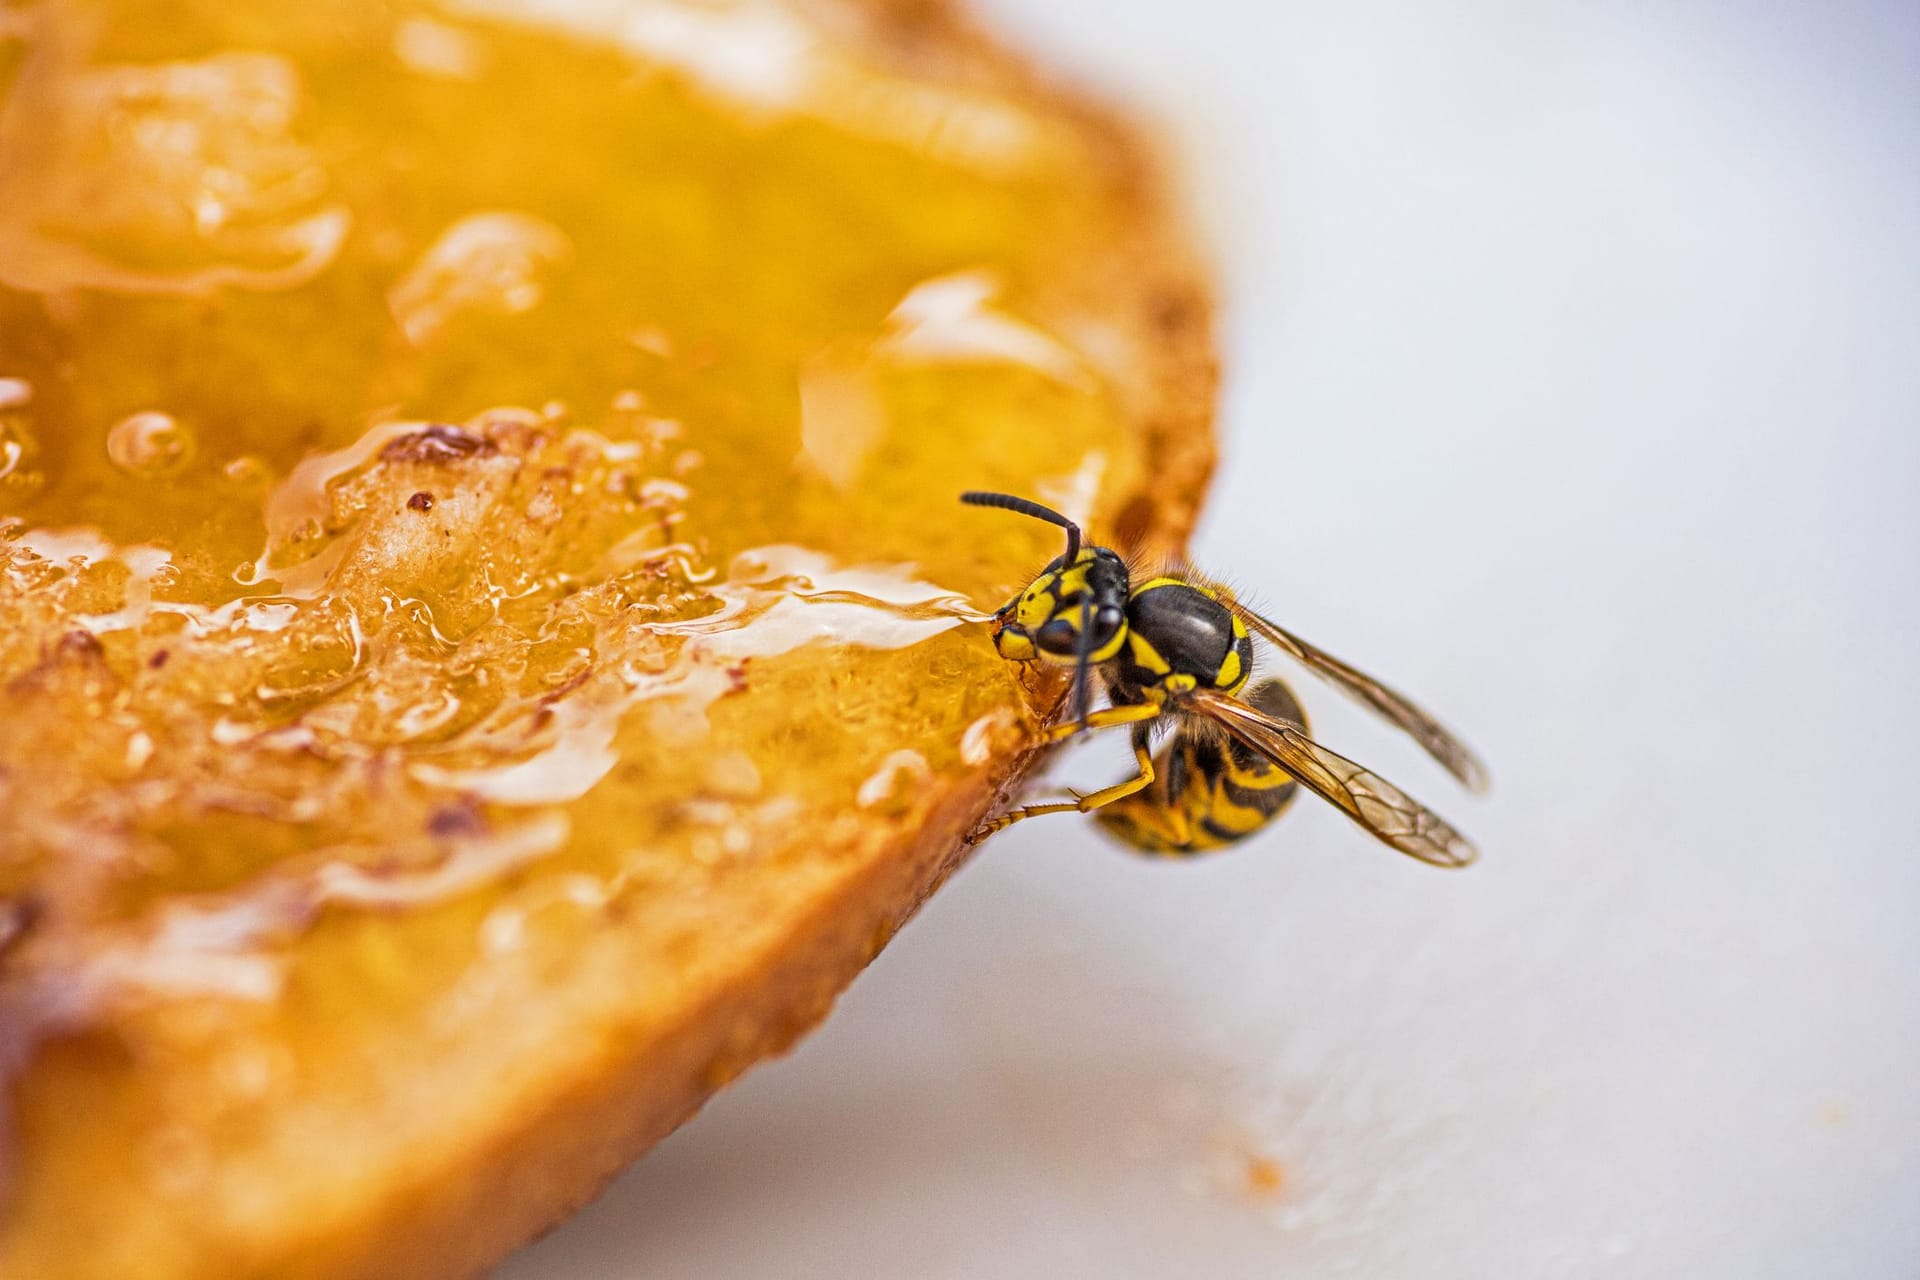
(1181, 649)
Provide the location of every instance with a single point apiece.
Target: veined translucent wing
(1454, 755)
(1370, 800)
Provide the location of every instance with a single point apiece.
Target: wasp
(1176, 652)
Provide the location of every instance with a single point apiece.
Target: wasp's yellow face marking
(1026, 613)
(1036, 606)
(1012, 643)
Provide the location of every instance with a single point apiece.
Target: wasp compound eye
(1058, 636)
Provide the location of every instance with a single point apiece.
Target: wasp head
(1044, 621)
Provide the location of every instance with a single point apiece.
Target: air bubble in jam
(247, 469)
(491, 263)
(20, 474)
(15, 473)
(892, 786)
(960, 318)
(434, 48)
(149, 443)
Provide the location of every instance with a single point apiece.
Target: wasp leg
(1106, 717)
(1179, 821)
(1142, 755)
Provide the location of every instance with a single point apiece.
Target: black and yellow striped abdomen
(1208, 791)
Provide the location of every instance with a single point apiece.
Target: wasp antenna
(1028, 507)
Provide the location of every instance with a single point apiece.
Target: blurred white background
(1573, 359)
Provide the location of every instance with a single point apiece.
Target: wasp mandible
(1177, 651)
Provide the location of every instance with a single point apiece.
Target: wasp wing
(1370, 800)
(1454, 755)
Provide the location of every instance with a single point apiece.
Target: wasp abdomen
(1207, 793)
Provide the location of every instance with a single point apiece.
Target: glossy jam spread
(470, 472)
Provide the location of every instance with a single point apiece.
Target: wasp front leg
(1143, 759)
(1105, 718)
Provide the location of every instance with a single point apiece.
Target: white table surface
(1574, 384)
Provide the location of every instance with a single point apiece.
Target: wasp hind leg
(1214, 791)
(1143, 758)
(1155, 823)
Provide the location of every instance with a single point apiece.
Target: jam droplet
(148, 443)
(18, 453)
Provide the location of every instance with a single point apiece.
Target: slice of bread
(485, 634)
